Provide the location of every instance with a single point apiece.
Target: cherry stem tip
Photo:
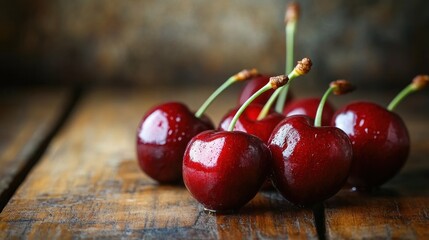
(292, 12)
(418, 83)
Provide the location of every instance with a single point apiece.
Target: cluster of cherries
(305, 148)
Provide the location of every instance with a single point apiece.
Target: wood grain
(27, 117)
(399, 209)
(88, 184)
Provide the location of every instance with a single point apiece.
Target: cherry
(162, 137)
(308, 107)
(380, 139)
(165, 131)
(310, 163)
(380, 142)
(224, 170)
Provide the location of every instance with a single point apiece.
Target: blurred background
(375, 44)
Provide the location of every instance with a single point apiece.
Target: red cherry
(224, 170)
(162, 136)
(253, 85)
(380, 142)
(248, 121)
(310, 164)
(380, 139)
(308, 107)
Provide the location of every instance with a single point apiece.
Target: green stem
(247, 103)
(290, 36)
(212, 97)
(269, 103)
(401, 95)
(319, 113)
(282, 96)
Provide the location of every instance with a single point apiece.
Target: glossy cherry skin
(253, 85)
(380, 140)
(310, 164)
(308, 107)
(224, 170)
(248, 122)
(162, 137)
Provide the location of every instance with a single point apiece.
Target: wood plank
(27, 117)
(88, 184)
(399, 209)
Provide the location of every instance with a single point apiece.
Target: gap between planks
(34, 157)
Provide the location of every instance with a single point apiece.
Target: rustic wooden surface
(88, 185)
(27, 118)
(398, 210)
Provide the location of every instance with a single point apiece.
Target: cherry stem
(240, 76)
(419, 82)
(337, 87)
(212, 97)
(319, 113)
(266, 109)
(401, 95)
(243, 107)
(290, 33)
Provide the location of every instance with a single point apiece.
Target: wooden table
(69, 170)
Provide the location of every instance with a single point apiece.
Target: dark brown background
(372, 43)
